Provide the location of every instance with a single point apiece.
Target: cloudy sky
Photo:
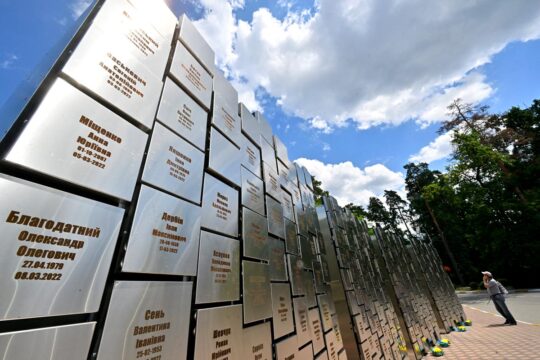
(354, 88)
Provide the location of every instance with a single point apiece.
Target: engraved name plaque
(190, 73)
(331, 345)
(286, 202)
(252, 191)
(57, 249)
(287, 349)
(251, 156)
(68, 342)
(296, 269)
(307, 251)
(218, 271)
(174, 165)
(182, 114)
(256, 294)
(274, 210)
(326, 313)
(291, 239)
(255, 235)
(264, 128)
(317, 334)
(147, 319)
(311, 300)
(278, 269)
(324, 356)
(281, 150)
(164, 237)
(301, 320)
(93, 147)
(193, 40)
(257, 342)
(306, 353)
(219, 333)
(282, 310)
(271, 182)
(250, 125)
(220, 207)
(268, 156)
(224, 157)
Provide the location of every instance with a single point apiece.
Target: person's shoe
(511, 323)
(506, 322)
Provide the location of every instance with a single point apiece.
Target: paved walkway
(487, 339)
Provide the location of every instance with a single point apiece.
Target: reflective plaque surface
(317, 334)
(250, 125)
(282, 310)
(257, 342)
(291, 239)
(311, 300)
(189, 72)
(301, 320)
(147, 319)
(281, 150)
(228, 94)
(220, 207)
(226, 119)
(219, 333)
(326, 312)
(264, 128)
(252, 191)
(224, 157)
(278, 269)
(287, 349)
(331, 345)
(286, 202)
(56, 252)
(274, 210)
(251, 156)
(93, 147)
(194, 41)
(271, 181)
(255, 235)
(68, 342)
(307, 251)
(164, 237)
(256, 291)
(296, 269)
(318, 274)
(218, 271)
(182, 114)
(174, 165)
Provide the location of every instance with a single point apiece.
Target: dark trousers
(501, 307)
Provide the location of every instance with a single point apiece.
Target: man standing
(497, 296)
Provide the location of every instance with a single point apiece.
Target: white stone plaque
(301, 321)
(174, 165)
(218, 271)
(57, 249)
(331, 345)
(282, 310)
(257, 342)
(224, 157)
(220, 207)
(256, 291)
(92, 147)
(182, 114)
(164, 237)
(287, 349)
(255, 235)
(306, 353)
(219, 333)
(317, 334)
(326, 312)
(68, 342)
(252, 191)
(147, 319)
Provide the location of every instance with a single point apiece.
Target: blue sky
(355, 88)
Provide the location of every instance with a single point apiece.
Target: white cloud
(351, 184)
(78, 7)
(370, 62)
(326, 147)
(438, 149)
(8, 62)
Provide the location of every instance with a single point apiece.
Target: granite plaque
(257, 342)
(68, 342)
(315, 326)
(286, 202)
(219, 333)
(224, 157)
(307, 251)
(190, 73)
(256, 291)
(264, 127)
(331, 345)
(282, 310)
(250, 125)
(164, 237)
(226, 119)
(57, 249)
(251, 156)
(146, 319)
(306, 353)
(220, 207)
(326, 313)
(296, 269)
(93, 147)
(174, 165)
(287, 349)
(218, 271)
(274, 210)
(271, 182)
(281, 150)
(291, 239)
(252, 191)
(268, 156)
(193, 40)
(311, 300)
(255, 235)
(182, 114)
(278, 269)
(106, 64)
(301, 321)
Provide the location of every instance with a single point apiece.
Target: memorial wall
(146, 214)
